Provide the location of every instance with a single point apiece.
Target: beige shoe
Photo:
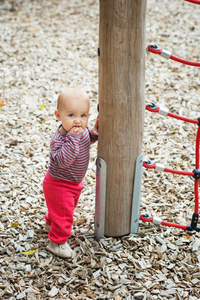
(62, 250)
(47, 228)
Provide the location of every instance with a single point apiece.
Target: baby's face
(74, 112)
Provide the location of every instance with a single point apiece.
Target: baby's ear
(57, 114)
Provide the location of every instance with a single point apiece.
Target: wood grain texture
(121, 104)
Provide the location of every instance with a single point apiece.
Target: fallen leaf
(29, 252)
(2, 103)
(14, 224)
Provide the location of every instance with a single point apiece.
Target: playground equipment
(195, 173)
(121, 108)
(121, 95)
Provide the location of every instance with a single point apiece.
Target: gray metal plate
(135, 216)
(100, 201)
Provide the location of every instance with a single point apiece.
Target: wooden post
(121, 104)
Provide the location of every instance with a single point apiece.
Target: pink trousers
(61, 198)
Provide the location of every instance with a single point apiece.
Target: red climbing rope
(156, 109)
(196, 193)
(156, 50)
(164, 223)
(197, 147)
(193, 1)
(144, 219)
(152, 107)
(185, 62)
(196, 183)
(158, 221)
(178, 172)
(182, 118)
(150, 165)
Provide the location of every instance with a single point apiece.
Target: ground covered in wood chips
(45, 46)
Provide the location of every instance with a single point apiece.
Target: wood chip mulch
(45, 46)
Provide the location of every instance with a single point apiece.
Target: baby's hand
(96, 127)
(77, 130)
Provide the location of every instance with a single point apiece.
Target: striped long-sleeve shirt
(69, 155)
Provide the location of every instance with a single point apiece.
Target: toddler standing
(69, 158)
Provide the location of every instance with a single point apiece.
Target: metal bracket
(100, 201)
(136, 194)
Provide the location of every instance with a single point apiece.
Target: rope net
(195, 173)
